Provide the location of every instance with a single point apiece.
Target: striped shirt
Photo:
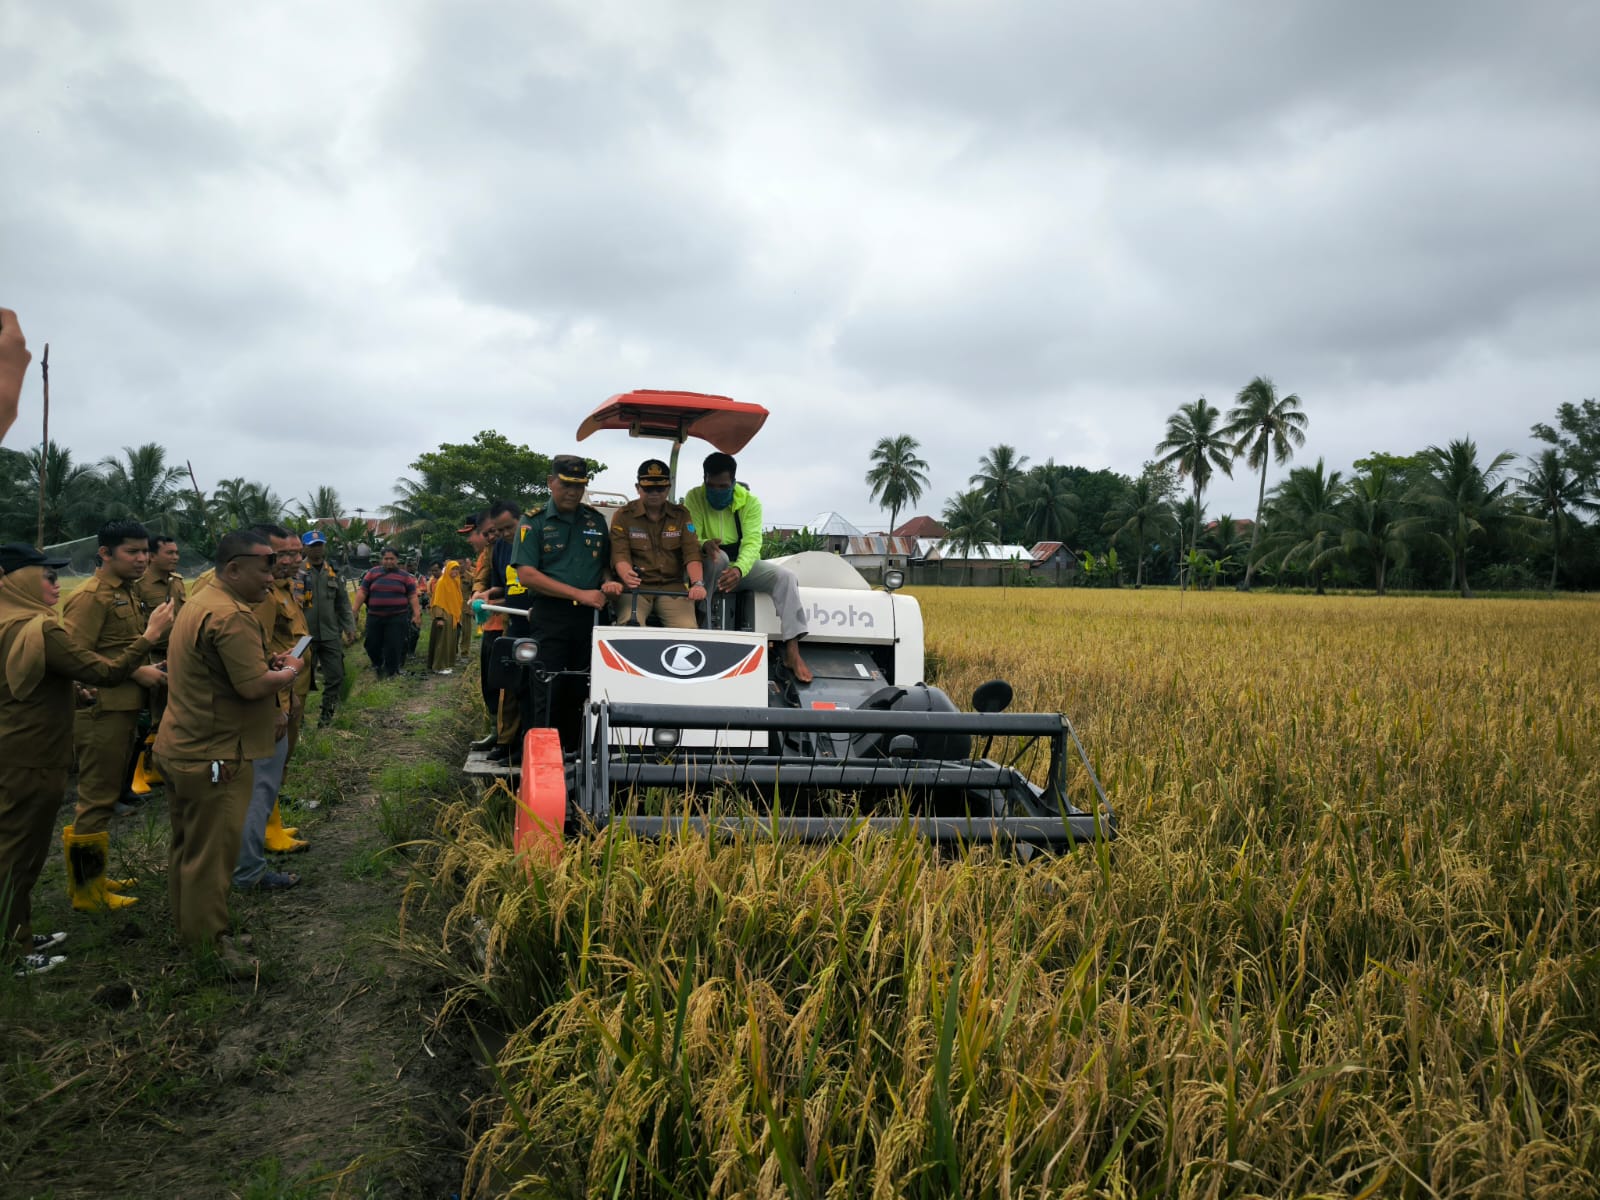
(388, 592)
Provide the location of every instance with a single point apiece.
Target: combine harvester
(677, 719)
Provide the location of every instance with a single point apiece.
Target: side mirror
(893, 580)
(992, 697)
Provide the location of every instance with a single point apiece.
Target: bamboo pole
(44, 447)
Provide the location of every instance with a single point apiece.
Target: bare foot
(797, 665)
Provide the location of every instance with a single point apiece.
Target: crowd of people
(141, 678)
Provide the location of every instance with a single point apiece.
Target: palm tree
(1265, 425)
(969, 522)
(1142, 513)
(1557, 494)
(1460, 500)
(141, 485)
(1047, 507)
(1305, 520)
(73, 498)
(324, 502)
(242, 502)
(1374, 531)
(999, 480)
(897, 477)
(1196, 446)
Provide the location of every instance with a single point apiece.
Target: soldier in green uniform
(654, 546)
(102, 618)
(561, 555)
(329, 619)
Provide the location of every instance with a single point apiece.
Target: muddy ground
(135, 1070)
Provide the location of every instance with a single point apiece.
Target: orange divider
(542, 799)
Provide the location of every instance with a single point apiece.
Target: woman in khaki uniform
(38, 663)
(221, 707)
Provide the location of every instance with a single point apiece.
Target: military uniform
(659, 551)
(36, 752)
(571, 549)
(205, 747)
(325, 603)
(104, 617)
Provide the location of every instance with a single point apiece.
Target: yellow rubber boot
(281, 840)
(86, 871)
(145, 776)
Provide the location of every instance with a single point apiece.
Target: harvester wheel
(541, 798)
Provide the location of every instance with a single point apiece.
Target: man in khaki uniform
(159, 584)
(654, 546)
(102, 618)
(282, 620)
(221, 692)
(161, 581)
(38, 663)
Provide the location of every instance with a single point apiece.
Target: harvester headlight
(524, 651)
(893, 580)
(664, 739)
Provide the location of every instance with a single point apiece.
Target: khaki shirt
(37, 731)
(283, 620)
(658, 550)
(153, 590)
(104, 617)
(216, 644)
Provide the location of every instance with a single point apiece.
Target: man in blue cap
(329, 619)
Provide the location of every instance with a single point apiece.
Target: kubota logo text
(849, 616)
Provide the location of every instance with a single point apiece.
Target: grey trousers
(777, 582)
(268, 778)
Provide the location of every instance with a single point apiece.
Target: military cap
(653, 470)
(569, 468)
(16, 555)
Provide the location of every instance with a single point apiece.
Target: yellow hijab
(447, 592)
(22, 603)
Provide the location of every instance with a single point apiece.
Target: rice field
(1347, 943)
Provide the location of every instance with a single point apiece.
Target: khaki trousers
(676, 612)
(29, 797)
(207, 825)
(104, 742)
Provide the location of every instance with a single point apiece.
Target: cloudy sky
(303, 242)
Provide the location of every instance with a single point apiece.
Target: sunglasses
(654, 487)
(49, 575)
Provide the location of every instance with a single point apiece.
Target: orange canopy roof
(677, 416)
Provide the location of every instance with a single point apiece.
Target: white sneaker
(43, 941)
(37, 964)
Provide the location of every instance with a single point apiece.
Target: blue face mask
(719, 497)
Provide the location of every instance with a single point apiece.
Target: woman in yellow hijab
(37, 667)
(448, 604)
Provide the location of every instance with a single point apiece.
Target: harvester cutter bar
(1034, 831)
(839, 720)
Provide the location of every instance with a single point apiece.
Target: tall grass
(1348, 942)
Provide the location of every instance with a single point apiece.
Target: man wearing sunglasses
(654, 547)
(221, 708)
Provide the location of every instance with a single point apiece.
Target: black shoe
(484, 743)
(499, 754)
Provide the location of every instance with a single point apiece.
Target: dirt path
(132, 1071)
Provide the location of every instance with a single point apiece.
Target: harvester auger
(678, 720)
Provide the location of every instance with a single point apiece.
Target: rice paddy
(1347, 942)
